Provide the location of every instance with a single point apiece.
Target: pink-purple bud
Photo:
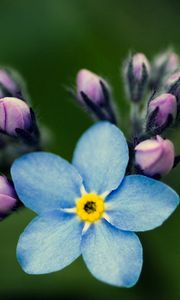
(173, 62)
(8, 197)
(7, 81)
(164, 64)
(89, 83)
(11, 84)
(173, 84)
(139, 61)
(173, 79)
(166, 105)
(14, 113)
(136, 75)
(155, 156)
(168, 60)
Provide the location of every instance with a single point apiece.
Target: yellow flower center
(90, 207)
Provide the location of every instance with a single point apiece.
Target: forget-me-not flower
(89, 208)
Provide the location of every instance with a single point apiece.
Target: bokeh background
(48, 41)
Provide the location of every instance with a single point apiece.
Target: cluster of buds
(19, 134)
(153, 155)
(17, 119)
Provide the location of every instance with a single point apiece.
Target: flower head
(89, 208)
(155, 156)
(14, 113)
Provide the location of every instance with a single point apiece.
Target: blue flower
(89, 208)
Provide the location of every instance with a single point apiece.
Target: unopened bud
(89, 83)
(155, 156)
(164, 64)
(11, 85)
(165, 107)
(137, 71)
(14, 113)
(172, 84)
(8, 197)
(172, 63)
(139, 60)
(94, 94)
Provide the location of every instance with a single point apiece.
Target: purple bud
(167, 105)
(7, 81)
(139, 61)
(173, 62)
(89, 84)
(164, 64)
(172, 79)
(14, 113)
(8, 197)
(11, 84)
(136, 75)
(172, 84)
(167, 60)
(155, 156)
(93, 93)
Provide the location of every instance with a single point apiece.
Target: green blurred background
(48, 41)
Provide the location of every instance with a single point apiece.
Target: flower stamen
(90, 207)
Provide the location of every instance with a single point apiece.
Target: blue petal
(45, 181)
(49, 243)
(141, 203)
(101, 157)
(112, 255)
